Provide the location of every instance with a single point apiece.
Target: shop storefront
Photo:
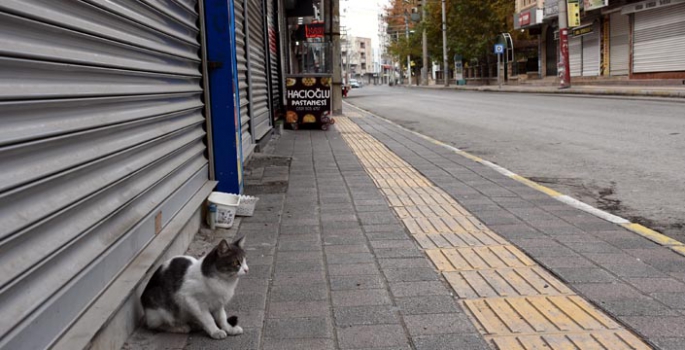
(658, 34)
(619, 44)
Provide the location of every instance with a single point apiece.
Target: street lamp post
(406, 32)
(444, 46)
(424, 69)
(565, 72)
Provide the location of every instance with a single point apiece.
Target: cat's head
(226, 260)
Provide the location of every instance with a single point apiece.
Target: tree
(472, 25)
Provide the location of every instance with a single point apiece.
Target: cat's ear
(240, 242)
(223, 247)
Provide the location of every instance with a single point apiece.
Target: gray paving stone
(657, 326)
(354, 269)
(361, 297)
(285, 293)
(377, 218)
(674, 343)
(438, 324)
(296, 266)
(437, 304)
(349, 258)
(450, 342)
(390, 235)
(675, 300)
(366, 315)
(398, 253)
(371, 336)
(297, 309)
(299, 246)
(393, 244)
(248, 302)
(371, 208)
(300, 229)
(552, 262)
(343, 239)
(641, 306)
(352, 248)
(607, 291)
(657, 285)
(403, 263)
(410, 274)
(357, 282)
(291, 257)
(421, 288)
(584, 275)
(300, 278)
(312, 327)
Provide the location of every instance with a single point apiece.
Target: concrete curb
(641, 230)
(604, 91)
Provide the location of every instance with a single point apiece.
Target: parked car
(355, 84)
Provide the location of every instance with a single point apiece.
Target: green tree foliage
(472, 27)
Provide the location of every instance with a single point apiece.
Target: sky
(360, 18)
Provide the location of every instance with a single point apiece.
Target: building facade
(619, 40)
(116, 122)
(357, 59)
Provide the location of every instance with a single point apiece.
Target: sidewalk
(603, 90)
(379, 239)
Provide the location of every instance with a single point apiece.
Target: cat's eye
(236, 263)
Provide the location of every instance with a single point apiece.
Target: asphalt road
(626, 156)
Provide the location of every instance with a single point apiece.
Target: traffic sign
(499, 49)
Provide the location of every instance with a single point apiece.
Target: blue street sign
(499, 49)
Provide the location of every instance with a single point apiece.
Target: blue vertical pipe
(223, 92)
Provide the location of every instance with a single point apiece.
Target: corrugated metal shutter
(241, 55)
(591, 52)
(619, 44)
(659, 40)
(101, 128)
(273, 56)
(575, 55)
(259, 93)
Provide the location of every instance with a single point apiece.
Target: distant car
(355, 84)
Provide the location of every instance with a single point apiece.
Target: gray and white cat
(186, 294)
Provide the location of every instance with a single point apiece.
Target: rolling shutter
(575, 55)
(619, 44)
(274, 76)
(101, 144)
(241, 57)
(659, 39)
(259, 93)
(591, 52)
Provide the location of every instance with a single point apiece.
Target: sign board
(308, 99)
(573, 13)
(524, 18)
(584, 30)
(499, 49)
(314, 30)
(649, 5)
(551, 9)
(589, 5)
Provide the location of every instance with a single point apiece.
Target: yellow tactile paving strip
(514, 303)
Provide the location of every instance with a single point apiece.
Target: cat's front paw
(235, 330)
(219, 334)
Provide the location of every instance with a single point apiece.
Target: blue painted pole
(223, 92)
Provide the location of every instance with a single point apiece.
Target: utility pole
(424, 69)
(406, 32)
(444, 46)
(564, 65)
(333, 23)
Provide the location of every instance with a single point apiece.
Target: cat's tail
(233, 321)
